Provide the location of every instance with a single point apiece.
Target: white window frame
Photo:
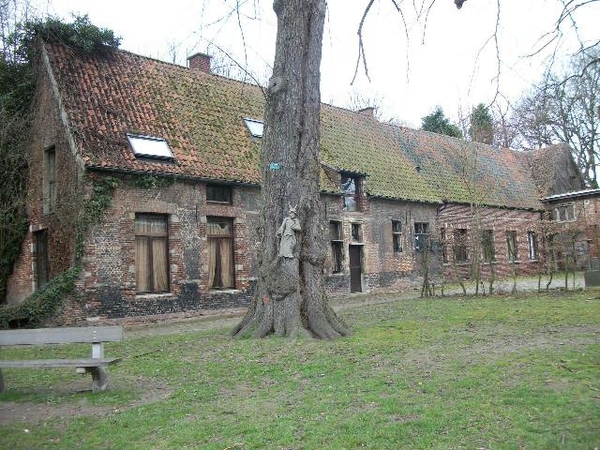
(255, 127)
(150, 147)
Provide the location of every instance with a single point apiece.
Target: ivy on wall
(148, 181)
(43, 304)
(17, 86)
(93, 209)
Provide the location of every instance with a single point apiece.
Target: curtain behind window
(151, 253)
(159, 264)
(220, 248)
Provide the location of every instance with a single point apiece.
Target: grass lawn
(506, 372)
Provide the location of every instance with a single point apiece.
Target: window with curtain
(219, 232)
(564, 213)
(151, 253)
(397, 236)
(460, 246)
(511, 246)
(421, 236)
(532, 245)
(487, 243)
(351, 186)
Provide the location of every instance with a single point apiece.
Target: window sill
(224, 291)
(158, 296)
(215, 202)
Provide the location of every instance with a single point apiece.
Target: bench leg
(99, 378)
(1, 382)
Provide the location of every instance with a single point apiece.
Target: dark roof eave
(511, 207)
(175, 176)
(407, 200)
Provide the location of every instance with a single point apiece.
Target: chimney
(199, 61)
(368, 111)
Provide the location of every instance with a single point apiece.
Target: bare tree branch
(361, 48)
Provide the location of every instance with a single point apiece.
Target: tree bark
(291, 299)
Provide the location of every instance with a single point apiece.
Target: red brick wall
(109, 281)
(453, 217)
(587, 219)
(383, 269)
(591, 209)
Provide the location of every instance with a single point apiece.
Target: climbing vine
(100, 197)
(148, 181)
(43, 303)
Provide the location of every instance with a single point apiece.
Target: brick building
(175, 151)
(578, 213)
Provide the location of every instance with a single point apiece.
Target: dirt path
(229, 318)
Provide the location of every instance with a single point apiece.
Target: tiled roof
(465, 172)
(201, 115)
(198, 114)
(554, 170)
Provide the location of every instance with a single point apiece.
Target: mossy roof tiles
(201, 115)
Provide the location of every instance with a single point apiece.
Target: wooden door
(355, 268)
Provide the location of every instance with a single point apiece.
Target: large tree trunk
(291, 299)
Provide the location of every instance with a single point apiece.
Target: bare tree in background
(359, 101)
(564, 108)
(15, 96)
(506, 134)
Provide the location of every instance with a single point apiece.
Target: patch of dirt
(31, 413)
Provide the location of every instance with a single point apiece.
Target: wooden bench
(97, 336)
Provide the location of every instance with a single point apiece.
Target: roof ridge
(162, 62)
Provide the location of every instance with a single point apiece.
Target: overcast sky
(452, 62)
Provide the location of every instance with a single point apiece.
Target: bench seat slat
(82, 362)
(61, 335)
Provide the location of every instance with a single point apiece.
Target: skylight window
(150, 147)
(256, 127)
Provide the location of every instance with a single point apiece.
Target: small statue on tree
(287, 234)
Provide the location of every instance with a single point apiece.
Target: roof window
(256, 127)
(150, 147)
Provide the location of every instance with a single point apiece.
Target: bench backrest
(62, 335)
